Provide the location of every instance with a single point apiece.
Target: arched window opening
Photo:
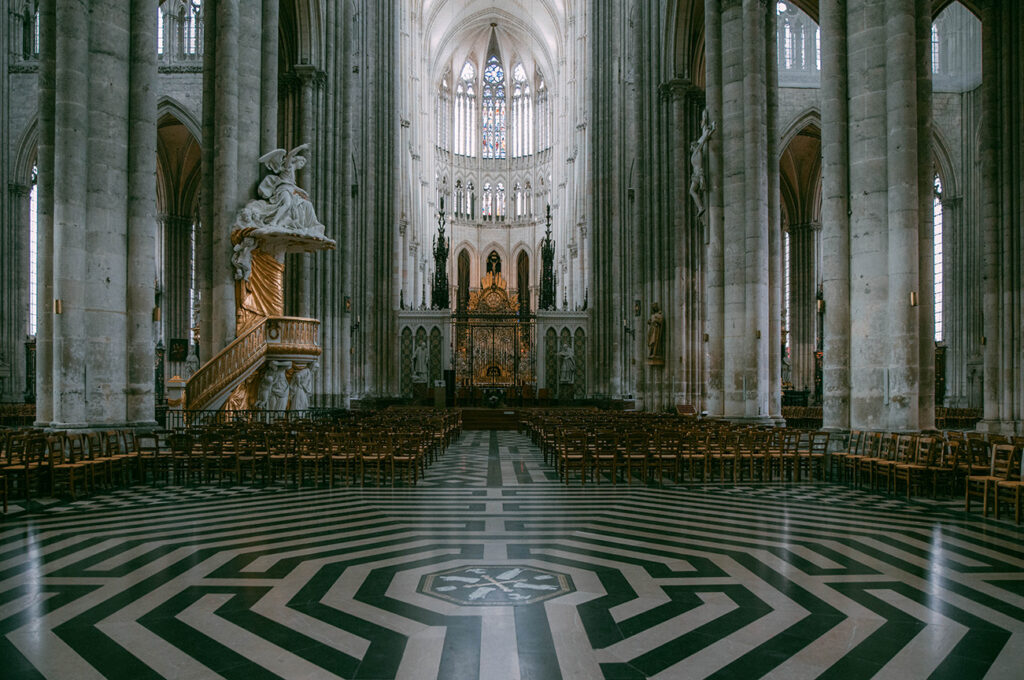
(465, 111)
(523, 282)
(799, 47)
(937, 278)
(179, 30)
(956, 50)
(522, 113)
(787, 319)
(499, 201)
(486, 203)
(33, 290)
(462, 299)
(443, 111)
(493, 124)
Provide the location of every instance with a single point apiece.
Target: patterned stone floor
(492, 569)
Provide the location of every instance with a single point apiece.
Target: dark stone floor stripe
(14, 665)
(537, 657)
(867, 658)
(460, 654)
(212, 654)
(493, 462)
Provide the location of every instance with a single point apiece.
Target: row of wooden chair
(649, 446)
(78, 461)
(391, 446)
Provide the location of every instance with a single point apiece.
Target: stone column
(70, 201)
(803, 280)
(714, 334)
(106, 180)
(835, 216)
(221, 321)
(773, 340)
(14, 269)
(45, 211)
(869, 243)
(269, 75)
(903, 216)
(302, 261)
(1003, 185)
(925, 223)
(733, 131)
(141, 213)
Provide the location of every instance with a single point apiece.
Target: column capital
(676, 89)
(802, 227)
(19, 189)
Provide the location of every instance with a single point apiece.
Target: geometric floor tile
(773, 581)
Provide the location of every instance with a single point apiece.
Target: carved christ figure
(698, 180)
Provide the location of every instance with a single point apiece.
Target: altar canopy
(494, 339)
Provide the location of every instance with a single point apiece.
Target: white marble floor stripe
(499, 654)
(202, 616)
(922, 655)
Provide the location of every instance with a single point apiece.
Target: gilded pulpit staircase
(270, 363)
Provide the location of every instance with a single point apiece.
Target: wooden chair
(572, 454)
(63, 469)
(692, 461)
(665, 456)
(405, 460)
(915, 470)
(1004, 458)
(1011, 487)
(281, 459)
(375, 456)
(880, 466)
(837, 459)
(812, 458)
(789, 456)
(24, 463)
(154, 463)
(182, 460)
(637, 447)
(605, 455)
(310, 458)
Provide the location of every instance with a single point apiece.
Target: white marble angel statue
(284, 205)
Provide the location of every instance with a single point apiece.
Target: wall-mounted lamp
(757, 334)
(821, 306)
(706, 337)
(913, 298)
(58, 307)
(636, 308)
(984, 341)
(156, 313)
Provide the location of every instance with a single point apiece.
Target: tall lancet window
(465, 112)
(522, 113)
(493, 122)
(444, 112)
(543, 119)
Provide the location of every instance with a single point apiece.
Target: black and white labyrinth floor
(491, 569)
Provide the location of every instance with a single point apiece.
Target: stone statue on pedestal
(419, 363)
(655, 332)
(567, 365)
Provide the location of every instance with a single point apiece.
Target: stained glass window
(493, 121)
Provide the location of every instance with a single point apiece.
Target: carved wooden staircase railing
(277, 337)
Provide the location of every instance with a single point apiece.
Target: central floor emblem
(490, 586)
